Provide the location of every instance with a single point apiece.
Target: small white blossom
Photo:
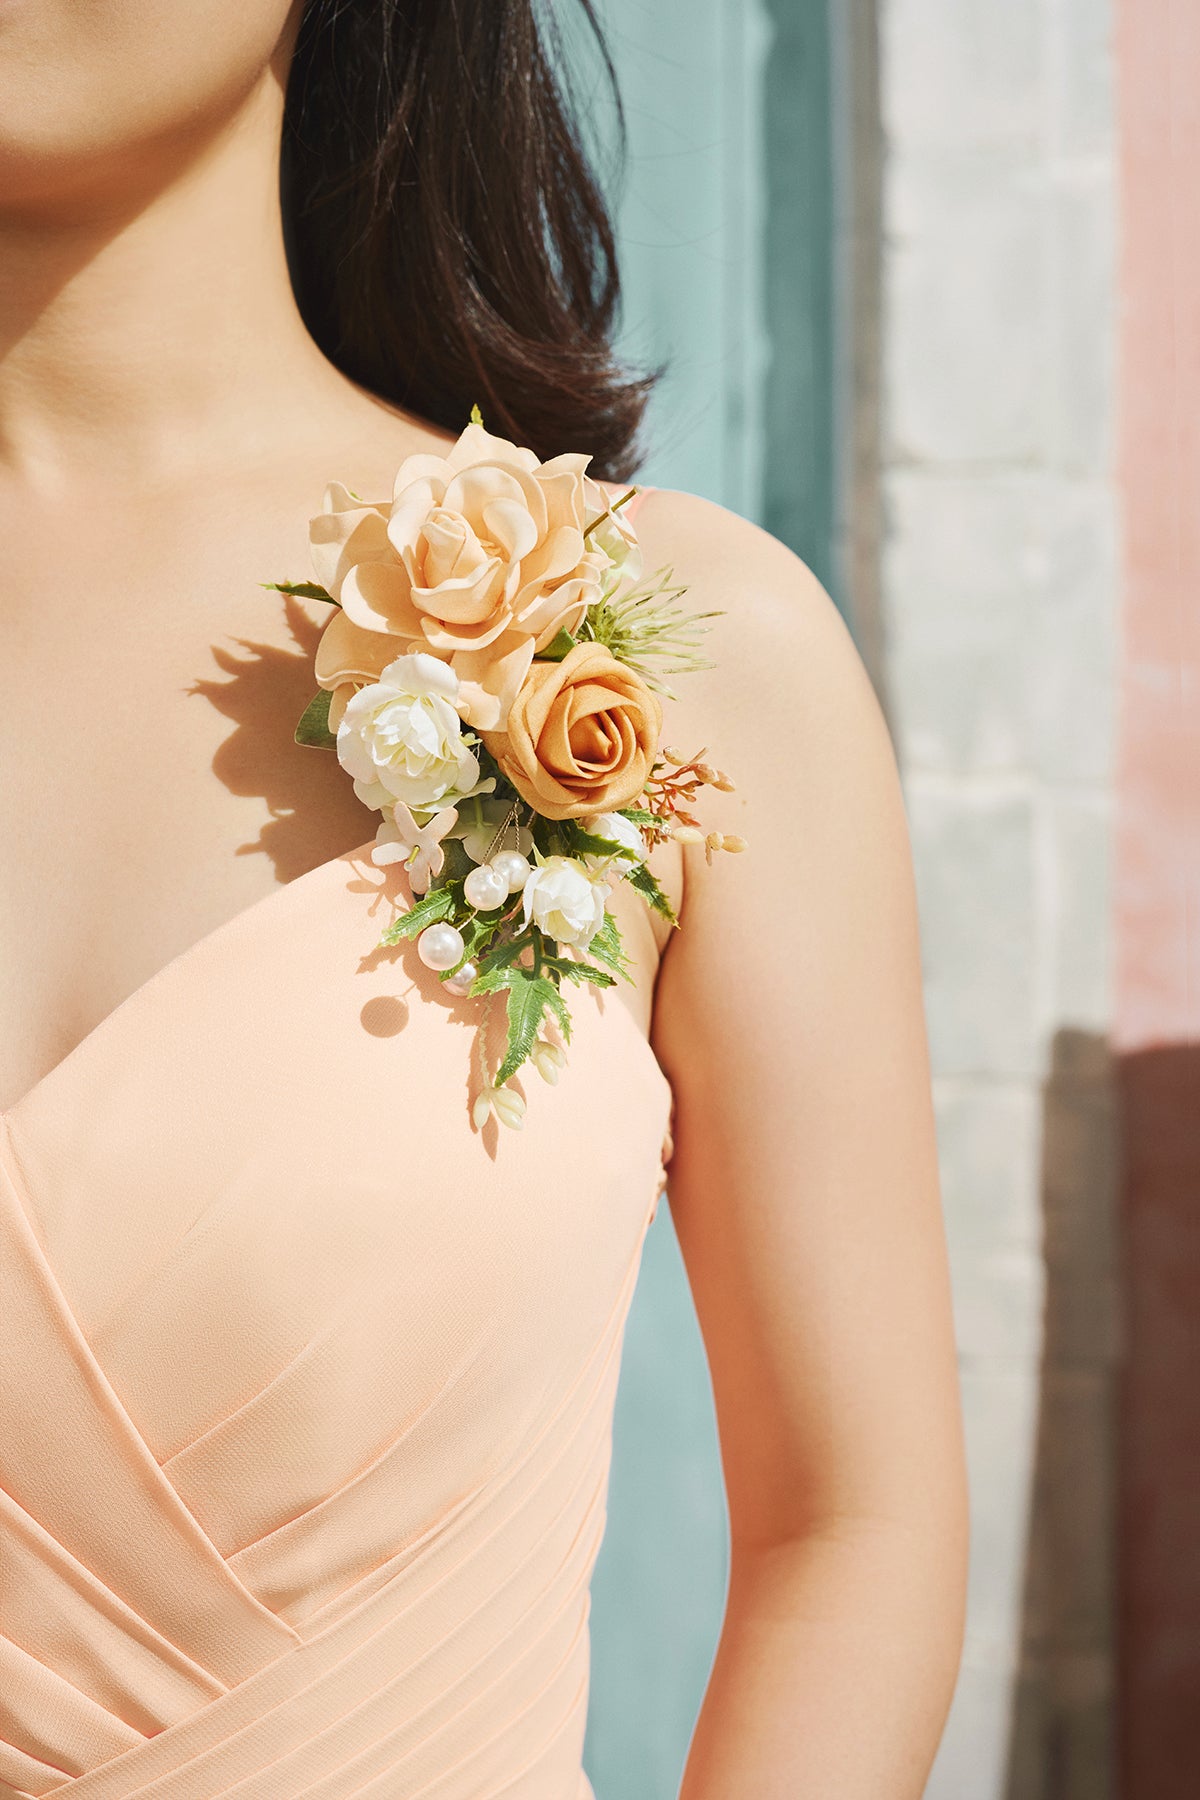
(401, 839)
(565, 899)
(614, 534)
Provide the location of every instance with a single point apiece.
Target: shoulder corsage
(489, 678)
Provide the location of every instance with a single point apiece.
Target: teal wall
(726, 237)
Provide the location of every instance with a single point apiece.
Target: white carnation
(565, 899)
(401, 737)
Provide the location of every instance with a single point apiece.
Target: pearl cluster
(487, 886)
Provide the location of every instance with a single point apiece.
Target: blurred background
(927, 277)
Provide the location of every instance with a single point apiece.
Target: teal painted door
(725, 229)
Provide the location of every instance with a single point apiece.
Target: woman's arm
(804, 1190)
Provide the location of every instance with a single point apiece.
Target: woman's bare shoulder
(778, 646)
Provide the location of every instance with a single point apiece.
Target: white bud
(509, 1107)
(505, 1102)
(548, 1059)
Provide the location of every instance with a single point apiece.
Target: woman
(305, 1386)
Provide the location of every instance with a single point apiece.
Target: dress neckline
(93, 1039)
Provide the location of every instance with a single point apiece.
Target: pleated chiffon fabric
(306, 1389)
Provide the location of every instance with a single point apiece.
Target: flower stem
(609, 510)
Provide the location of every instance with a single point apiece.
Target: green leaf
(637, 815)
(588, 843)
(306, 590)
(312, 727)
(505, 953)
(582, 972)
(457, 864)
(641, 879)
(476, 933)
(439, 903)
(606, 947)
(489, 981)
(546, 834)
(565, 968)
(530, 997)
(560, 645)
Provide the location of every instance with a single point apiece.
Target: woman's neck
(149, 331)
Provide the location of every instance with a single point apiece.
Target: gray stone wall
(996, 622)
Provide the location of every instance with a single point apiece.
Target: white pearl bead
(512, 868)
(440, 946)
(486, 888)
(459, 983)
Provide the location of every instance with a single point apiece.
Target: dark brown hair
(447, 234)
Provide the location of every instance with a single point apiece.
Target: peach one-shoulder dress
(306, 1388)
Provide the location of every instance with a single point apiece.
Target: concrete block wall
(998, 618)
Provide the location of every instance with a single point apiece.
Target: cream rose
(581, 735)
(401, 737)
(565, 899)
(480, 557)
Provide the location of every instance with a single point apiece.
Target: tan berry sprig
(671, 792)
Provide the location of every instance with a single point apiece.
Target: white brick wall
(998, 600)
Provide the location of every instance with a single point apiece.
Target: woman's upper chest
(153, 786)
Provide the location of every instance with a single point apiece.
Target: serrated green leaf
(529, 998)
(565, 968)
(439, 903)
(606, 947)
(562, 1012)
(505, 953)
(637, 815)
(305, 590)
(312, 727)
(489, 981)
(582, 972)
(588, 843)
(560, 645)
(476, 933)
(641, 879)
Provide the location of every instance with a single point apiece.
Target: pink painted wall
(1157, 920)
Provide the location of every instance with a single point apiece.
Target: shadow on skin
(315, 817)
(385, 1016)
(315, 814)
